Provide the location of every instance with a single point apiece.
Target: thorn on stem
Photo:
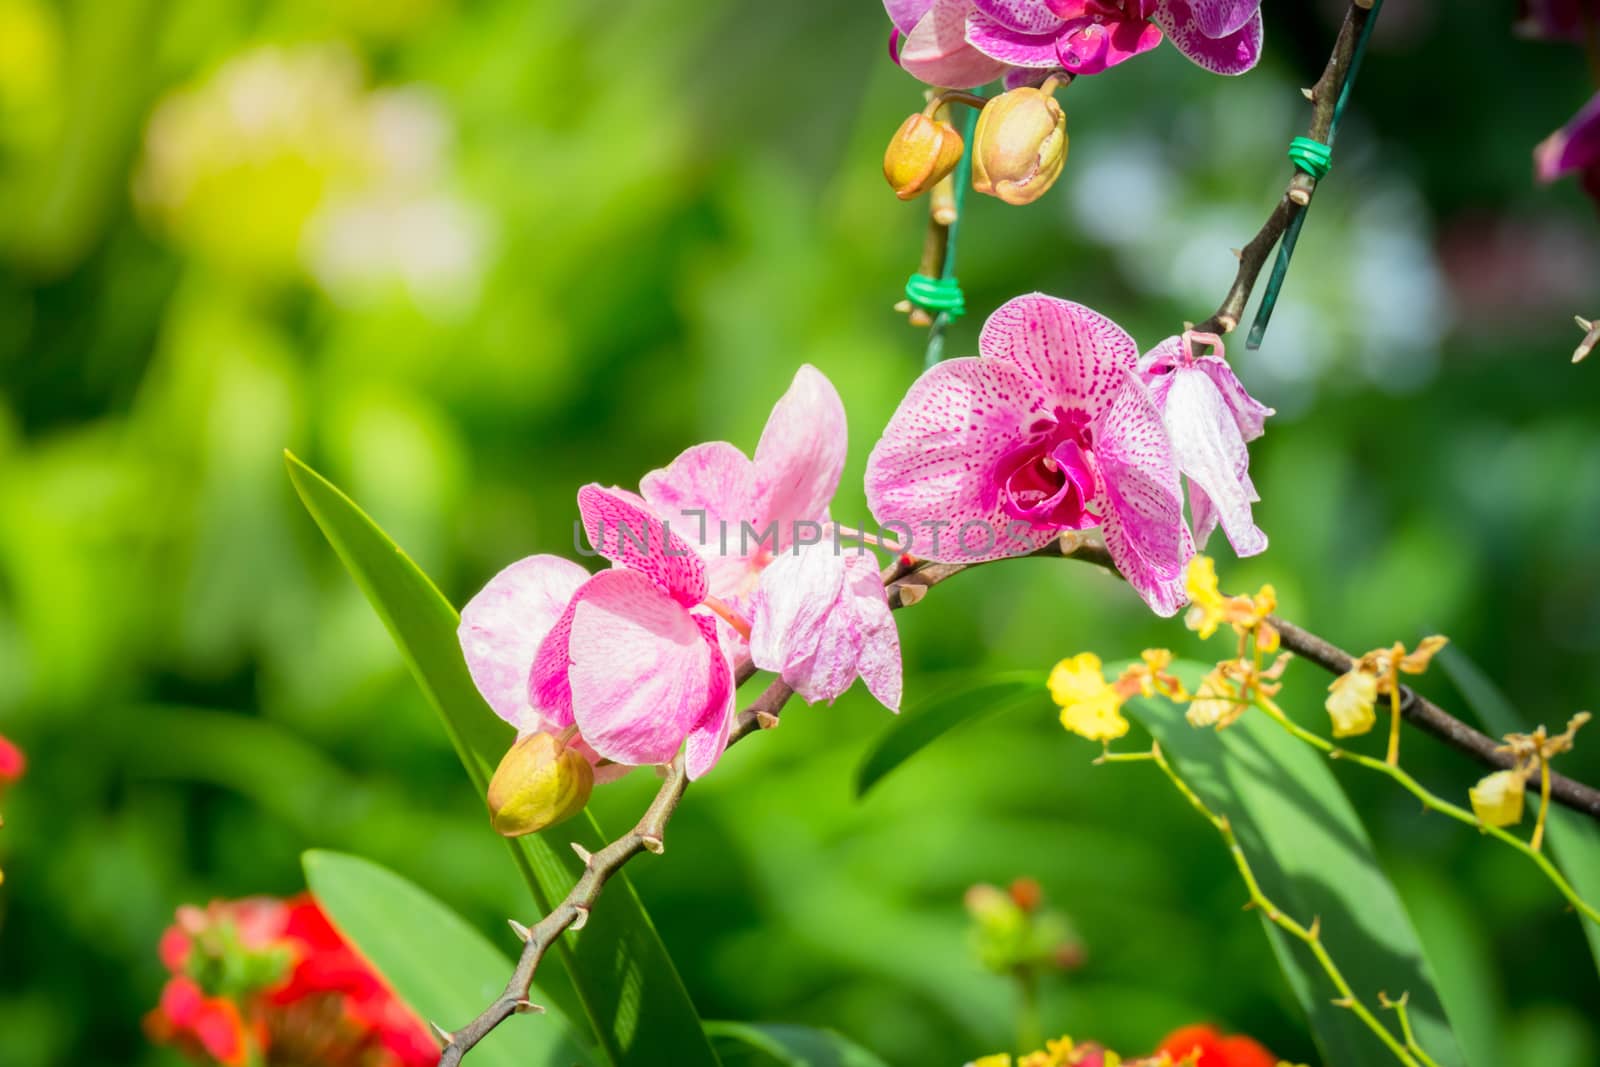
(444, 1036)
(1309, 94)
(523, 933)
(528, 1007)
(1300, 196)
(581, 919)
(583, 854)
(653, 843)
(910, 594)
(766, 720)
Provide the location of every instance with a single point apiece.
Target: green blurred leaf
(625, 981)
(788, 1045)
(1312, 857)
(431, 957)
(961, 701)
(1574, 839)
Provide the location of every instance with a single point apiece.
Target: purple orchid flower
(1047, 430)
(1210, 418)
(632, 656)
(758, 525)
(966, 43)
(1573, 148)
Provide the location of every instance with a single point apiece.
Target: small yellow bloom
(1037, 1059)
(1206, 603)
(999, 1059)
(1497, 798)
(1350, 702)
(1216, 702)
(1090, 706)
(1426, 649)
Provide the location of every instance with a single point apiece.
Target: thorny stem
(1324, 98)
(1399, 1008)
(1310, 936)
(1430, 801)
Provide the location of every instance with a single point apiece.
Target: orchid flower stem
(1544, 803)
(1431, 801)
(960, 96)
(1029, 1032)
(1399, 1009)
(947, 271)
(1310, 936)
(1393, 756)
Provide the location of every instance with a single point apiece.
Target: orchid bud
(1497, 798)
(540, 782)
(921, 152)
(1020, 145)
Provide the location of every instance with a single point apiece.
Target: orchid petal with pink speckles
(905, 14)
(1219, 18)
(1023, 16)
(1212, 454)
(1233, 53)
(801, 454)
(1143, 526)
(503, 625)
(1093, 45)
(930, 477)
(1078, 357)
(936, 49)
(1027, 50)
(622, 528)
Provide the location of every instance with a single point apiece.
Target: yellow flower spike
(1090, 706)
(1426, 649)
(1497, 798)
(1206, 603)
(1350, 702)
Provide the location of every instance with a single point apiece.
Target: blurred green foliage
(464, 257)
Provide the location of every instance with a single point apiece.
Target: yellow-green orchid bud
(921, 152)
(540, 782)
(1020, 145)
(1497, 798)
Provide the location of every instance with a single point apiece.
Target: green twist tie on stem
(937, 294)
(1313, 157)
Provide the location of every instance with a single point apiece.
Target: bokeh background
(465, 256)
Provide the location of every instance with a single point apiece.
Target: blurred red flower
(266, 981)
(1215, 1049)
(12, 762)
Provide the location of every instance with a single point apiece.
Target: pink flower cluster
(1058, 425)
(641, 658)
(966, 43)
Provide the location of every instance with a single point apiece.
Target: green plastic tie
(1313, 157)
(937, 294)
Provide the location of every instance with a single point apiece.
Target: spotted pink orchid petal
(936, 51)
(800, 455)
(905, 14)
(931, 477)
(1022, 16)
(1219, 18)
(622, 528)
(1048, 430)
(1143, 528)
(1209, 418)
(705, 494)
(821, 620)
(1232, 53)
(1573, 148)
(503, 625)
(644, 673)
(1020, 51)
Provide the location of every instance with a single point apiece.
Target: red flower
(12, 762)
(271, 981)
(1211, 1049)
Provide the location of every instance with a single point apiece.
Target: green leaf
(1312, 858)
(624, 980)
(761, 1044)
(961, 701)
(1574, 839)
(433, 960)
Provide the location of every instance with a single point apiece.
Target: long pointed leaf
(1312, 857)
(625, 981)
(433, 960)
(784, 1045)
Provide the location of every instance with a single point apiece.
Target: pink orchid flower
(1210, 418)
(1575, 148)
(759, 525)
(1047, 430)
(967, 43)
(631, 655)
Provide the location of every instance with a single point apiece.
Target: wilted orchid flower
(965, 43)
(1575, 147)
(1209, 418)
(817, 613)
(1048, 430)
(630, 655)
